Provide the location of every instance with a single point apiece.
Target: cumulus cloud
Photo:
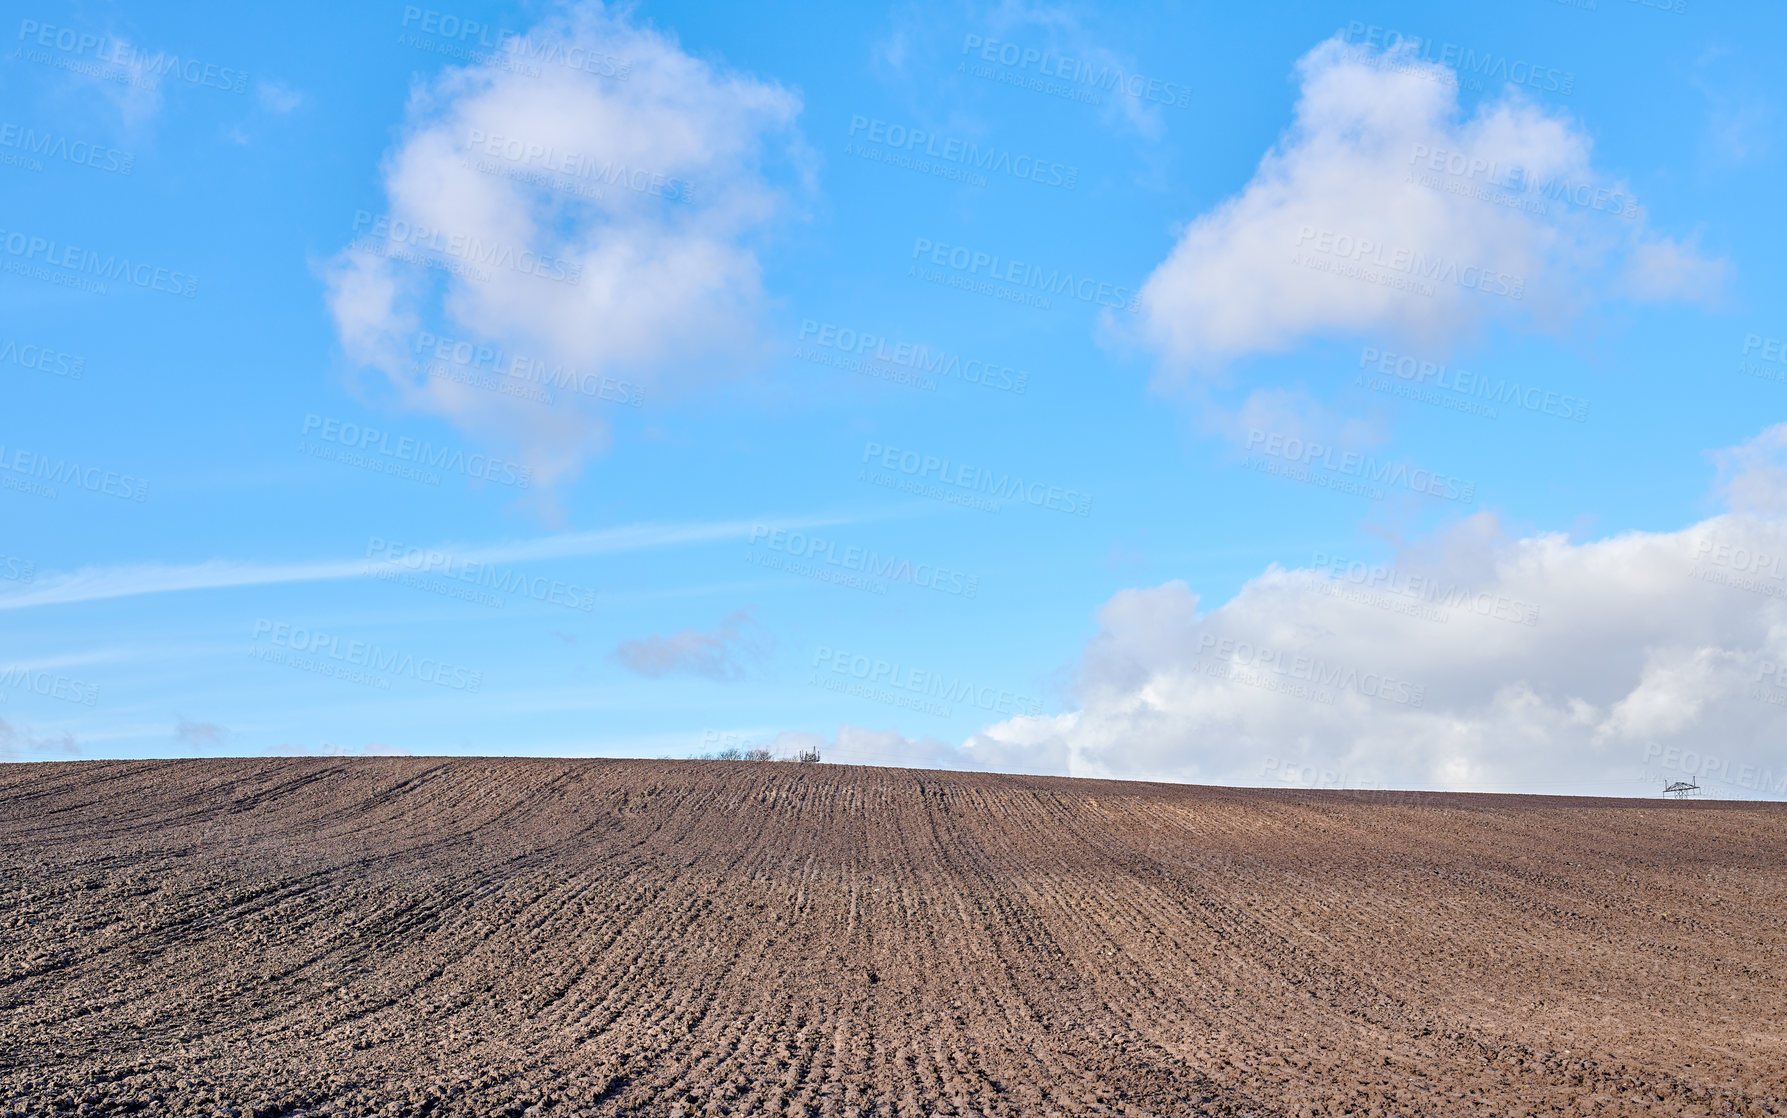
(1470, 661)
(1636, 651)
(590, 201)
(722, 653)
(1385, 210)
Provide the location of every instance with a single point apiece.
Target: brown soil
(544, 937)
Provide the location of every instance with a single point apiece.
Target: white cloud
(667, 191)
(1428, 675)
(1308, 672)
(1469, 661)
(1337, 222)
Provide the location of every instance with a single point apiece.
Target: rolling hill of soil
(418, 936)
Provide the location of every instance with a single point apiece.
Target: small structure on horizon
(1680, 789)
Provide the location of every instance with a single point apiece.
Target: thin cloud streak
(90, 584)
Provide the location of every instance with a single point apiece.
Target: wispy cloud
(200, 733)
(91, 584)
(722, 653)
(276, 97)
(72, 660)
(16, 743)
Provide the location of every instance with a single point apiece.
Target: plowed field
(544, 937)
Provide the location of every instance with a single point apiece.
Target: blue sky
(1330, 394)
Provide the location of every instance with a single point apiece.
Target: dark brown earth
(546, 937)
